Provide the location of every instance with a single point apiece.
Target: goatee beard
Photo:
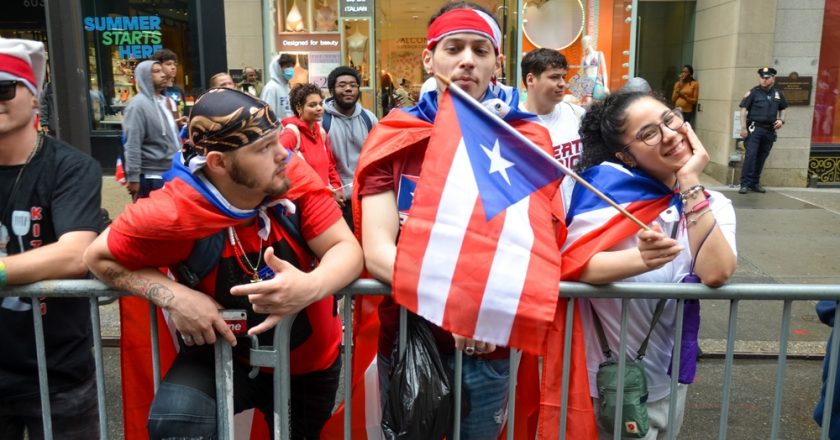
(345, 106)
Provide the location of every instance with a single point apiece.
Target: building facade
(725, 40)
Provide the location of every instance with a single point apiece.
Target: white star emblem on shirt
(498, 164)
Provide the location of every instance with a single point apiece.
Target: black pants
(75, 415)
(185, 405)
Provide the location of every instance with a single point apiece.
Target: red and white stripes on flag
(492, 276)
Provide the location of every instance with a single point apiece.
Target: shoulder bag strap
(602, 338)
(656, 314)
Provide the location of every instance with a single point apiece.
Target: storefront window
(118, 36)
(400, 40)
(826, 124)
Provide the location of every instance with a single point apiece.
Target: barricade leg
(41, 356)
(727, 369)
(675, 370)
(515, 356)
(567, 364)
(456, 418)
(224, 389)
(618, 427)
(155, 345)
(96, 328)
(348, 364)
(780, 372)
(282, 381)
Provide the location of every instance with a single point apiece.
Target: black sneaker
(759, 189)
(743, 190)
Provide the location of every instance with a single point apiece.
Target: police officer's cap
(766, 72)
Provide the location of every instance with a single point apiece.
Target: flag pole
(566, 170)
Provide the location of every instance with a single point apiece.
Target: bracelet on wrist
(698, 207)
(2, 273)
(692, 193)
(697, 216)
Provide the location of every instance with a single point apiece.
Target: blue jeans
(484, 384)
(184, 407)
(75, 415)
(758, 145)
(148, 185)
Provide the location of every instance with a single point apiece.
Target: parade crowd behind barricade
(252, 200)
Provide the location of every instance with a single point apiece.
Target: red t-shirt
(316, 332)
(400, 174)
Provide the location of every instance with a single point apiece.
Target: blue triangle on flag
(506, 170)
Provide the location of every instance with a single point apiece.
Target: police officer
(763, 109)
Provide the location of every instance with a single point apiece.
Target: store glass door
(400, 39)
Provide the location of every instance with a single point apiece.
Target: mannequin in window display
(594, 68)
(356, 47)
(294, 20)
(326, 19)
(98, 103)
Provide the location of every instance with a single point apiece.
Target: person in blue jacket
(825, 311)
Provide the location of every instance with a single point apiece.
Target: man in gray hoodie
(276, 91)
(149, 133)
(347, 124)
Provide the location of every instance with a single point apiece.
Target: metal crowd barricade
(279, 358)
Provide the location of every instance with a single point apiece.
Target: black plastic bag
(420, 399)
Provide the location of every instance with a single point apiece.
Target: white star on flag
(498, 164)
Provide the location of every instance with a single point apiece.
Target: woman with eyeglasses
(645, 156)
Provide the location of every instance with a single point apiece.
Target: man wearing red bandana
(463, 44)
(234, 178)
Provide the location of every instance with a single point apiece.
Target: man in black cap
(235, 181)
(762, 113)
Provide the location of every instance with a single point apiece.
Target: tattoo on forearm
(157, 293)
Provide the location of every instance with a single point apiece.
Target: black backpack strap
(367, 120)
(206, 252)
(291, 224)
(203, 258)
(326, 121)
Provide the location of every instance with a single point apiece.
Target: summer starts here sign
(135, 36)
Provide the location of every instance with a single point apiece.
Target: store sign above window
(135, 36)
(298, 42)
(356, 8)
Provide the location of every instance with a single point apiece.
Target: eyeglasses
(344, 85)
(652, 134)
(8, 89)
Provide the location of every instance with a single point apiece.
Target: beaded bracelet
(2, 273)
(691, 193)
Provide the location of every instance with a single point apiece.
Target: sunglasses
(8, 90)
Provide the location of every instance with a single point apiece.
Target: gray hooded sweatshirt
(276, 91)
(347, 135)
(150, 139)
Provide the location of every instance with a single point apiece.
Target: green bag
(634, 415)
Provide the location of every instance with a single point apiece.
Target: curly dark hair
(341, 71)
(602, 128)
(299, 93)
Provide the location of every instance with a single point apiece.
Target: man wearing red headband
(49, 213)
(463, 44)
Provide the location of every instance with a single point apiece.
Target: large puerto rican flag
(478, 255)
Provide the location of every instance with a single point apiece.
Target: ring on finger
(469, 350)
(187, 338)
